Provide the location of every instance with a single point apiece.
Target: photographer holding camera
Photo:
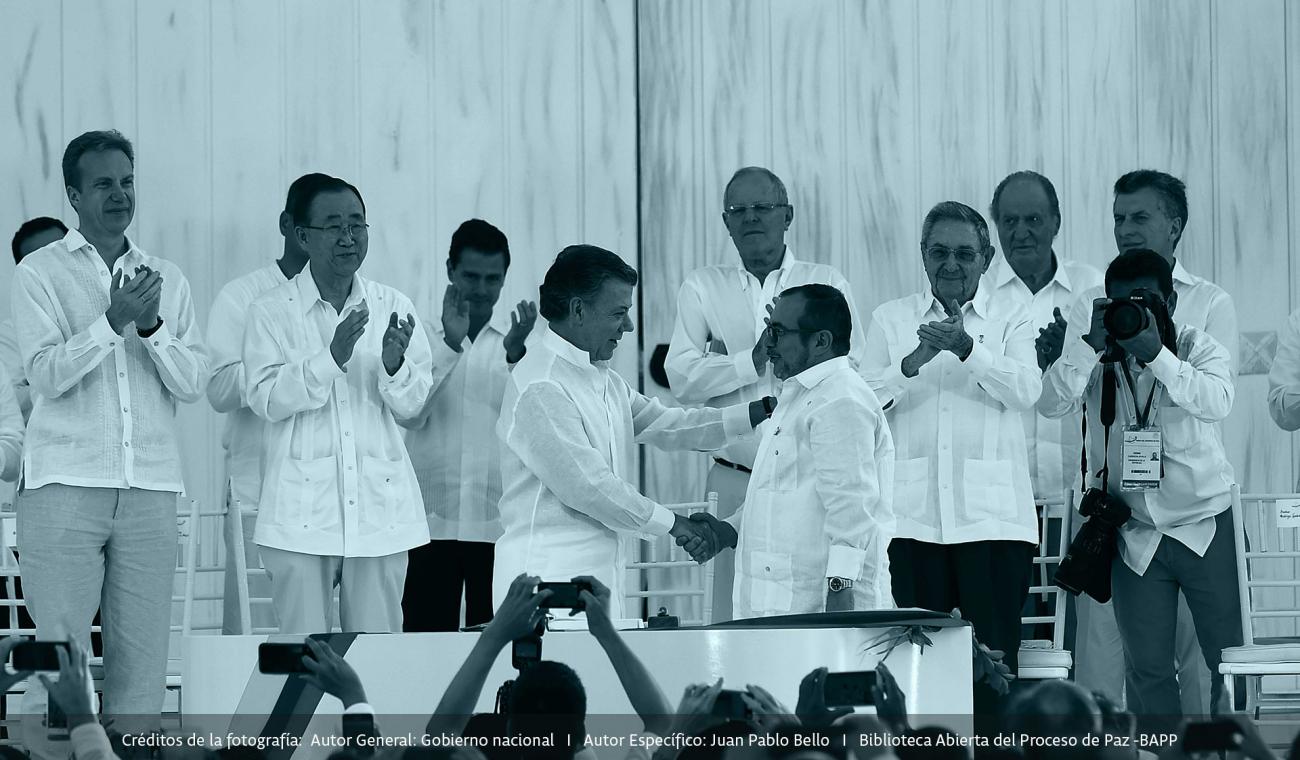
(1163, 459)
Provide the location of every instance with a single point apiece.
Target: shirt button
(126, 410)
(121, 374)
(155, 342)
(351, 501)
(126, 444)
(349, 467)
(768, 569)
(347, 433)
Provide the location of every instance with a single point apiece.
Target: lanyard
(1142, 415)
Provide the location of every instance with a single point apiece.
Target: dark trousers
(1146, 609)
(436, 574)
(988, 580)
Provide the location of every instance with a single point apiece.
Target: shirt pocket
(380, 486)
(912, 485)
(990, 492)
(309, 493)
(772, 586)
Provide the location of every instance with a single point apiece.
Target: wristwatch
(836, 585)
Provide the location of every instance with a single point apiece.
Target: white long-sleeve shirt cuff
(398, 378)
(101, 332)
(735, 420)
(980, 360)
(322, 366)
(360, 708)
(745, 370)
(660, 522)
(1165, 366)
(844, 562)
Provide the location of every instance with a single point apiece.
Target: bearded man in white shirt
(453, 443)
(717, 356)
(569, 426)
(242, 436)
(340, 505)
(955, 374)
(813, 533)
(109, 345)
(1173, 385)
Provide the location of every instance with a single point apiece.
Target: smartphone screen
(525, 652)
(37, 655)
(850, 689)
(563, 595)
(282, 658)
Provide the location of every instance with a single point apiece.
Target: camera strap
(1107, 417)
(1143, 416)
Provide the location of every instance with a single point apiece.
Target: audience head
(294, 199)
(956, 251)
(757, 212)
(547, 699)
(934, 743)
(476, 264)
(809, 324)
(1141, 269)
(1028, 215)
(329, 219)
(1150, 212)
(99, 178)
(35, 234)
(1053, 709)
(587, 298)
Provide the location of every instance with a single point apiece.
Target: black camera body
(1125, 318)
(1086, 565)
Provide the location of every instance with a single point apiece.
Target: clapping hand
(455, 318)
(330, 673)
(133, 299)
(347, 334)
(396, 338)
(948, 334)
(150, 297)
(1050, 340)
(522, 320)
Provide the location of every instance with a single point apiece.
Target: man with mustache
(452, 442)
(955, 375)
(717, 355)
(569, 428)
(813, 532)
(110, 345)
(340, 505)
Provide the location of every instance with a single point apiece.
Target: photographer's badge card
(1141, 453)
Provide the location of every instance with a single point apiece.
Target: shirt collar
(309, 295)
(787, 263)
(814, 375)
(1181, 274)
(75, 241)
(562, 348)
(928, 304)
(500, 319)
(1003, 273)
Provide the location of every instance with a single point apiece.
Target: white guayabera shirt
(103, 405)
(820, 502)
(961, 472)
(569, 429)
(338, 479)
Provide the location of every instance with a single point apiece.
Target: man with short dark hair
(340, 505)
(955, 375)
(814, 530)
(453, 443)
(32, 235)
(110, 344)
(1173, 385)
(242, 437)
(717, 356)
(569, 425)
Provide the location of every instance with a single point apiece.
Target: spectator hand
(1050, 341)
(811, 708)
(1146, 345)
(396, 338)
(768, 712)
(72, 691)
(520, 612)
(948, 334)
(7, 679)
(347, 334)
(695, 711)
(891, 705)
(455, 318)
(332, 674)
(596, 603)
(522, 320)
(150, 295)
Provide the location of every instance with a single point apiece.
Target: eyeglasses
(939, 254)
(779, 331)
(759, 208)
(354, 231)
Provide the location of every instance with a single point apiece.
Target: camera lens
(1124, 319)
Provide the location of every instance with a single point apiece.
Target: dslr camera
(1086, 565)
(1124, 318)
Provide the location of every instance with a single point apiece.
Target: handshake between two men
(704, 536)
